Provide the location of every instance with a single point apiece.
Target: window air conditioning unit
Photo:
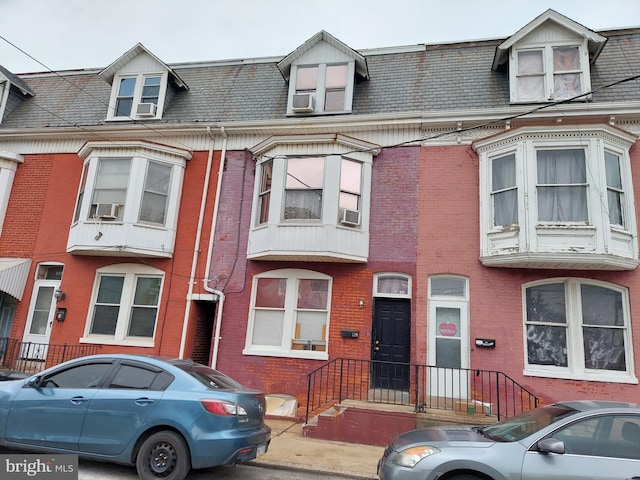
(350, 217)
(303, 103)
(107, 211)
(146, 109)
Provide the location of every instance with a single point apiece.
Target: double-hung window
(125, 305)
(303, 188)
(615, 190)
(562, 185)
(578, 329)
(350, 189)
(264, 195)
(289, 314)
(504, 190)
(156, 192)
(112, 180)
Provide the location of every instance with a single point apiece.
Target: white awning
(13, 275)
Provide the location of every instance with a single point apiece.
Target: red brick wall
(448, 236)
(392, 248)
(37, 225)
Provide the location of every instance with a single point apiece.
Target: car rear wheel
(164, 455)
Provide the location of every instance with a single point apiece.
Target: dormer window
(141, 84)
(549, 59)
(139, 96)
(321, 88)
(321, 75)
(549, 73)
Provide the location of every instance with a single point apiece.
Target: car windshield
(525, 424)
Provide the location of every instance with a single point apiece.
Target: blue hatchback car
(163, 416)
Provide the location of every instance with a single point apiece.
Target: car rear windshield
(210, 377)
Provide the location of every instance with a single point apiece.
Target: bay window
(128, 197)
(557, 197)
(313, 203)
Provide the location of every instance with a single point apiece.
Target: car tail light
(220, 407)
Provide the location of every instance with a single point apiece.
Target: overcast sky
(71, 34)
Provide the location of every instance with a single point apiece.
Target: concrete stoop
(377, 424)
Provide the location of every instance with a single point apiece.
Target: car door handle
(78, 400)
(144, 401)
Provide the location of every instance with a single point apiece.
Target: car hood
(440, 435)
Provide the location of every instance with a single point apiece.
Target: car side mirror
(35, 382)
(551, 445)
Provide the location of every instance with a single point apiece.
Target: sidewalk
(291, 450)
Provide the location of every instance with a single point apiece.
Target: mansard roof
(427, 78)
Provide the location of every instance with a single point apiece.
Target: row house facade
(468, 206)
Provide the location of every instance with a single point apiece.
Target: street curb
(277, 465)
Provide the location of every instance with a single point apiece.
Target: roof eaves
(16, 81)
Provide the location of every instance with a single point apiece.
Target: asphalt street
(102, 471)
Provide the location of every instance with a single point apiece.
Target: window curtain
(566, 85)
(562, 190)
(530, 75)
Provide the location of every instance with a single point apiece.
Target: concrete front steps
(377, 424)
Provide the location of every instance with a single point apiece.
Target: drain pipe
(196, 248)
(218, 293)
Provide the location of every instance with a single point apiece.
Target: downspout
(196, 248)
(218, 293)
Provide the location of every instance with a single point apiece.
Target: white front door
(448, 339)
(40, 320)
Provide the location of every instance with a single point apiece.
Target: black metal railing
(421, 386)
(32, 357)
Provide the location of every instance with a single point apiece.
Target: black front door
(391, 341)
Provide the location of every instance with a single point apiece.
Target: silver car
(574, 440)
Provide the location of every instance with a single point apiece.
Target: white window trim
(130, 272)
(288, 331)
(8, 165)
(575, 354)
(137, 95)
(547, 49)
(321, 89)
(378, 276)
